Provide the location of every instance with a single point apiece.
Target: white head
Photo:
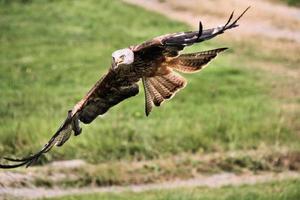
(122, 57)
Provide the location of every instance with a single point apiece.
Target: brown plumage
(193, 62)
(152, 62)
(159, 88)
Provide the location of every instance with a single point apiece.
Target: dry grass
(184, 166)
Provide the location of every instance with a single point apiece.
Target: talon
(75, 126)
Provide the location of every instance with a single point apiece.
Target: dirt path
(65, 177)
(265, 18)
(214, 181)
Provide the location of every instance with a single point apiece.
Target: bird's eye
(122, 57)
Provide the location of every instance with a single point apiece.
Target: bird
(155, 62)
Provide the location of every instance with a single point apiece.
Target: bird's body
(154, 62)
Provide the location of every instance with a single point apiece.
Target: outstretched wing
(110, 90)
(61, 133)
(113, 88)
(159, 87)
(170, 44)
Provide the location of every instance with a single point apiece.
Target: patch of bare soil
(212, 170)
(217, 180)
(77, 173)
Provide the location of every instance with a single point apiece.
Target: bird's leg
(75, 123)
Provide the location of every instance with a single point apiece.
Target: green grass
(286, 190)
(293, 2)
(52, 52)
(182, 167)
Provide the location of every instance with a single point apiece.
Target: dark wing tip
(17, 160)
(28, 161)
(233, 24)
(2, 166)
(222, 49)
(200, 30)
(242, 14)
(230, 18)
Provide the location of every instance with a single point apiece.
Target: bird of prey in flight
(154, 62)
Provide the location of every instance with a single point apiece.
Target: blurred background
(232, 133)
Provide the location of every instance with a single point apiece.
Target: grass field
(52, 52)
(286, 190)
(293, 2)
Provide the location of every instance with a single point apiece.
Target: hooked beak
(114, 64)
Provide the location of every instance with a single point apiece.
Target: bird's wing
(160, 87)
(170, 44)
(111, 89)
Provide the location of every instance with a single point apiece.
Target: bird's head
(122, 57)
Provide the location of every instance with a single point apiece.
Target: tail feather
(154, 95)
(163, 91)
(193, 62)
(148, 97)
(159, 88)
(166, 83)
(175, 79)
